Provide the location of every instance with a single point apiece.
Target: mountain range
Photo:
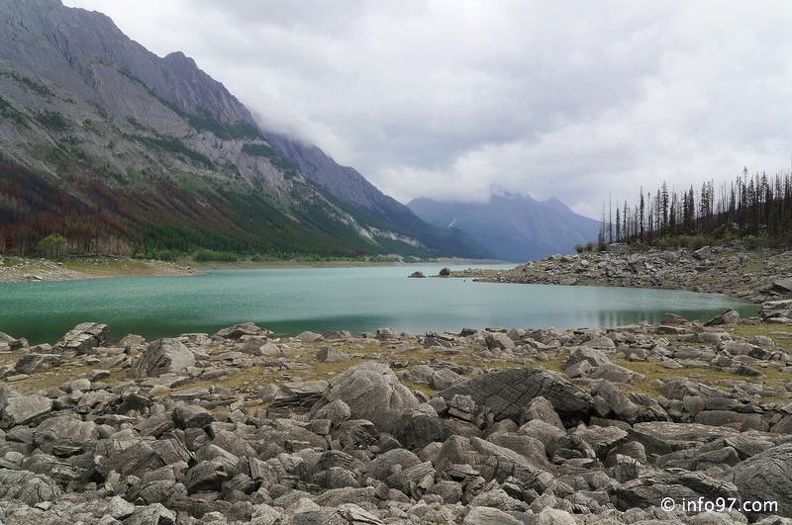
(512, 227)
(121, 151)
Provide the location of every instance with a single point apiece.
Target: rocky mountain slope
(678, 423)
(513, 227)
(118, 150)
(359, 197)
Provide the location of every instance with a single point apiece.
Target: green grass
(9, 261)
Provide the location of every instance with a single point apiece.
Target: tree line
(758, 207)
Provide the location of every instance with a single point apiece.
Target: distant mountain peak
(513, 226)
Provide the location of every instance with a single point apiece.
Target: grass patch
(780, 334)
(57, 376)
(8, 262)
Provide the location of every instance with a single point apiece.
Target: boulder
(65, 436)
(336, 412)
(386, 333)
(165, 356)
(33, 362)
(767, 476)
(21, 410)
(776, 310)
(444, 378)
(390, 462)
(84, 337)
(498, 341)
(729, 316)
(783, 285)
(650, 490)
(662, 437)
(490, 516)
(27, 487)
(703, 253)
(540, 408)
(492, 462)
(373, 392)
(552, 516)
(308, 337)
(191, 416)
(328, 354)
(242, 329)
(507, 392)
(418, 429)
(593, 356)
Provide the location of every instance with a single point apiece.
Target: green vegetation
(52, 246)
(10, 261)
(445, 272)
(204, 255)
(172, 145)
(9, 111)
(33, 85)
(205, 122)
(756, 210)
(53, 121)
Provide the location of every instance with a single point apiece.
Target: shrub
(204, 255)
(52, 246)
(445, 272)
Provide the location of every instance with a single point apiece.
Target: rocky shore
(754, 275)
(541, 427)
(21, 270)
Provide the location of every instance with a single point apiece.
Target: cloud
(578, 100)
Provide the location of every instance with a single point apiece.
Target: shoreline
(755, 276)
(26, 270)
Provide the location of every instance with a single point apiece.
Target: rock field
(756, 276)
(494, 426)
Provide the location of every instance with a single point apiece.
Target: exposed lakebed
(354, 299)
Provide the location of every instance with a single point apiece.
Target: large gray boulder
(650, 490)
(165, 356)
(662, 437)
(65, 435)
(507, 392)
(20, 410)
(84, 337)
(373, 392)
(28, 487)
(767, 477)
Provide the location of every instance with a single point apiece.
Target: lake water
(356, 299)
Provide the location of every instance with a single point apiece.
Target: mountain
(354, 194)
(121, 151)
(513, 227)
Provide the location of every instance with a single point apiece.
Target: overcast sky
(450, 98)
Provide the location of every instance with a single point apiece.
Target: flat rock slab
(23, 409)
(507, 392)
(662, 437)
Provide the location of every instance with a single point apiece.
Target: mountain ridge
(512, 227)
(160, 155)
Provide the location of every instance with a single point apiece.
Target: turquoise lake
(356, 299)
